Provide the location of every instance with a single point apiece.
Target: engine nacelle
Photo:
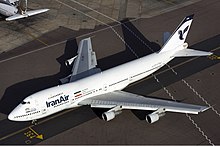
(151, 118)
(70, 61)
(107, 116)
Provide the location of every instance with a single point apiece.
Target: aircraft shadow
(2, 17)
(16, 93)
(134, 43)
(19, 25)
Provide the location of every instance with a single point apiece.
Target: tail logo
(181, 32)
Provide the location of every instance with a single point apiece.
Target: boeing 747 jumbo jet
(17, 9)
(88, 85)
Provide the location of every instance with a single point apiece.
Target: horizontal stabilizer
(35, 12)
(15, 17)
(28, 13)
(191, 52)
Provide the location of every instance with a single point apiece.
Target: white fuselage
(7, 9)
(55, 99)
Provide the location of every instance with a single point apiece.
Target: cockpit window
(23, 102)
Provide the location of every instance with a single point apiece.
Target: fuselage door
(105, 87)
(43, 110)
(42, 107)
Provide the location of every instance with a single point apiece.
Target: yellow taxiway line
(39, 136)
(36, 38)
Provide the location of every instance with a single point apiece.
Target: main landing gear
(34, 122)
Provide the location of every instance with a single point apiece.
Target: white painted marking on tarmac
(189, 117)
(31, 52)
(200, 130)
(96, 11)
(100, 22)
(196, 92)
(200, 96)
(83, 35)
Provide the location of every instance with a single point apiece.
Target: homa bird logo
(59, 101)
(181, 33)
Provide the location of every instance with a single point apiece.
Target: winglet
(204, 108)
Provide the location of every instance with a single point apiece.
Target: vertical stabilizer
(179, 35)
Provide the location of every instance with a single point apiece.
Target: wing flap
(133, 101)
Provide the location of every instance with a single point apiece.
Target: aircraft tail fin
(179, 35)
(176, 42)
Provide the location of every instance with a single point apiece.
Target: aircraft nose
(11, 116)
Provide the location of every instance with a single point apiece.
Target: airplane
(88, 85)
(17, 9)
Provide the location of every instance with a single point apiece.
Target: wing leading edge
(132, 101)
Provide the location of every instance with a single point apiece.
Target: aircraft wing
(127, 100)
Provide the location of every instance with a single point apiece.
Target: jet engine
(70, 61)
(151, 118)
(155, 116)
(107, 116)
